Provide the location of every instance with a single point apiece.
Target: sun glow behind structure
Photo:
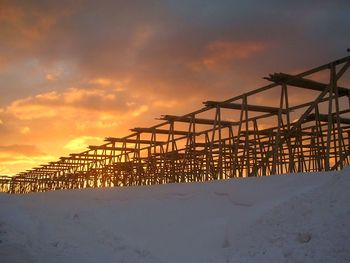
(232, 138)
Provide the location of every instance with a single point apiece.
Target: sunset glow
(72, 74)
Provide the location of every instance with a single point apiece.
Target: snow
(286, 218)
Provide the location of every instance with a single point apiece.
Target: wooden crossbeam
(49, 169)
(45, 171)
(111, 148)
(237, 106)
(135, 141)
(72, 165)
(197, 120)
(23, 179)
(324, 118)
(78, 159)
(61, 164)
(161, 131)
(86, 155)
(303, 83)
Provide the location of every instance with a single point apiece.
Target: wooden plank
(78, 159)
(161, 131)
(196, 120)
(237, 106)
(127, 140)
(295, 81)
(324, 118)
(111, 148)
(78, 155)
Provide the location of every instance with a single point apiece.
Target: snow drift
(286, 218)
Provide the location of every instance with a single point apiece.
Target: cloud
(81, 143)
(24, 22)
(142, 109)
(154, 43)
(25, 130)
(225, 53)
(51, 77)
(17, 157)
(102, 81)
(74, 102)
(25, 149)
(4, 170)
(230, 50)
(12, 165)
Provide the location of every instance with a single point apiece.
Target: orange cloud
(171, 103)
(218, 53)
(102, 81)
(25, 130)
(235, 50)
(137, 112)
(29, 150)
(51, 76)
(17, 157)
(14, 164)
(16, 18)
(76, 101)
(28, 109)
(81, 143)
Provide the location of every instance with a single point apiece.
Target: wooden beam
(79, 159)
(324, 118)
(79, 155)
(111, 148)
(161, 131)
(295, 81)
(197, 120)
(237, 106)
(135, 141)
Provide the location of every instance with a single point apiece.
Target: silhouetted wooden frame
(215, 148)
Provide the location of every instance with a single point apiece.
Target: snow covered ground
(288, 218)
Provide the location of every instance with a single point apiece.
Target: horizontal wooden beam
(197, 120)
(324, 118)
(161, 131)
(237, 106)
(111, 148)
(78, 159)
(85, 155)
(280, 78)
(135, 141)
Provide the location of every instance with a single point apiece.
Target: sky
(75, 72)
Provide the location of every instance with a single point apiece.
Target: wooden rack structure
(303, 128)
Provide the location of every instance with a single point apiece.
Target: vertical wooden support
(330, 115)
(246, 144)
(220, 158)
(339, 132)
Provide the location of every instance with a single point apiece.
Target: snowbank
(288, 218)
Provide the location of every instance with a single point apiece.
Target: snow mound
(286, 218)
